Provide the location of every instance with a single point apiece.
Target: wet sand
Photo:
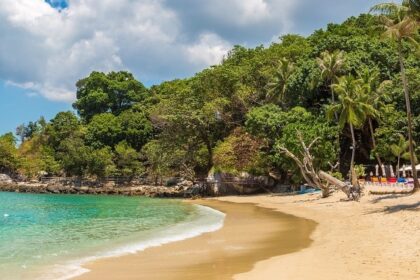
(250, 234)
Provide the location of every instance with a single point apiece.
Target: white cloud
(209, 50)
(251, 11)
(47, 51)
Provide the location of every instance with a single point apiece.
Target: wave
(206, 220)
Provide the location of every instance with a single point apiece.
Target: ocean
(46, 236)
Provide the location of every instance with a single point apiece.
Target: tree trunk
(398, 166)
(409, 118)
(353, 152)
(353, 192)
(333, 100)
(319, 179)
(372, 134)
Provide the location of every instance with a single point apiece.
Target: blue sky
(17, 106)
(59, 4)
(47, 45)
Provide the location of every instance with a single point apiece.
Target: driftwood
(316, 178)
(352, 191)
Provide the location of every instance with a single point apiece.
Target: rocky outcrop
(106, 189)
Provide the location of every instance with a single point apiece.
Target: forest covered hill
(235, 116)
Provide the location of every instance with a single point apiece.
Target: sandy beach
(250, 234)
(376, 238)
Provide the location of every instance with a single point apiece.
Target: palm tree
(373, 89)
(400, 150)
(276, 89)
(353, 108)
(399, 26)
(331, 65)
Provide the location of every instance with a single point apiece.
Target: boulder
(4, 178)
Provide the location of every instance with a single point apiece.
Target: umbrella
(376, 170)
(371, 174)
(391, 170)
(383, 170)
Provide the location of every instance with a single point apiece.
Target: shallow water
(57, 233)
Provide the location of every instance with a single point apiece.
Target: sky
(47, 45)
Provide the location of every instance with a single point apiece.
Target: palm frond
(385, 8)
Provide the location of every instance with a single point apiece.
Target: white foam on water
(207, 220)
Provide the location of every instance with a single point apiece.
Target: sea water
(51, 236)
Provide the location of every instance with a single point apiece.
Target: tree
(75, 157)
(127, 160)
(159, 159)
(372, 88)
(309, 127)
(37, 157)
(104, 130)
(190, 117)
(313, 175)
(21, 132)
(99, 162)
(353, 109)
(63, 126)
(239, 152)
(277, 87)
(113, 92)
(331, 65)
(9, 161)
(400, 26)
(414, 8)
(136, 128)
(400, 150)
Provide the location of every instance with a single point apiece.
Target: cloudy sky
(47, 45)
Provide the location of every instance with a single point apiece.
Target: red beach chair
(392, 180)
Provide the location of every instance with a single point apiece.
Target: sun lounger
(392, 180)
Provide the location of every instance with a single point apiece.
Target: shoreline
(208, 220)
(248, 236)
(376, 238)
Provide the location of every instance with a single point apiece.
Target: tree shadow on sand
(386, 197)
(400, 207)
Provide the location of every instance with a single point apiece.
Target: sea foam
(206, 220)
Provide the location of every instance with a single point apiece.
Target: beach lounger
(392, 180)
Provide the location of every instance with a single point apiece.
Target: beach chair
(375, 180)
(392, 180)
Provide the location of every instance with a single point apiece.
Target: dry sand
(377, 238)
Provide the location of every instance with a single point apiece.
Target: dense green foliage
(233, 117)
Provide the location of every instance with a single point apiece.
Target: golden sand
(375, 239)
(250, 234)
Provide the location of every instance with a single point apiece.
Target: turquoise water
(50, 236)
